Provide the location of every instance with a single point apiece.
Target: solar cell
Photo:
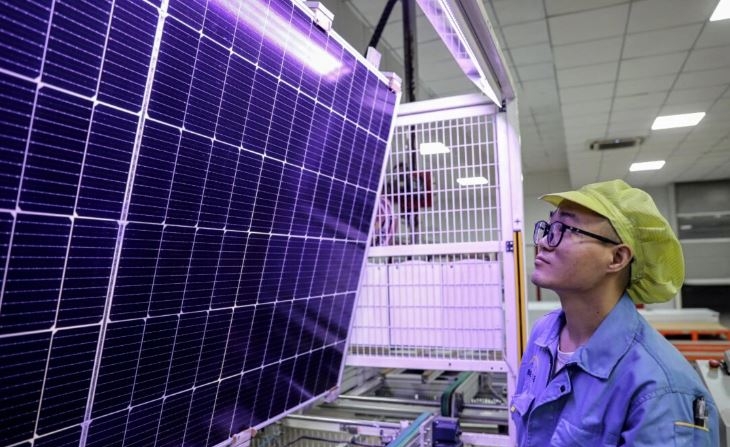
(186, 190)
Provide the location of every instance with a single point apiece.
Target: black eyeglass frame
(536, 236)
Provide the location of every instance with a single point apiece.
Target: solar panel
(186, 192)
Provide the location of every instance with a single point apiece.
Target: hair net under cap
(657, 271)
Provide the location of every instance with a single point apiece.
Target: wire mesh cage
(433, 289)
(441, 184)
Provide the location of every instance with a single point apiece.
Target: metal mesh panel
(432, 295)
(422, 194)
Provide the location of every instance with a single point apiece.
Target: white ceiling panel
(615, 162)
(647, 15)
(583, 136)
(524, 34)
(588, 25)
(586, 93)
(676, 166)
(703, 167)
(706, 138)
(587, 119)
(643, 115)
(641, 101)
(648, 66)
(537, 71)
(714, 34)
(628, 87)
(626, 129)
(696, 95)
(690, 107)
(650, 154)
(707, 58)
(588, 53)
(580, 108)
(721, 107)
(665, 40)
(424, 31)
(592, 74)
(532, 54)
(558, 7)
(704, 78)
(583, 167)
(510, 12)
(541, 91)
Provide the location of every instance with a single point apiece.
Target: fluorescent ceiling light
(646, 166)
(445, 24)
(472, 181)
(433, 148)
(682, 120)
(722, 11)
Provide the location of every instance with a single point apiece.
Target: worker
(595, 372)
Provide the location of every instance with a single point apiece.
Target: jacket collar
(608, 343)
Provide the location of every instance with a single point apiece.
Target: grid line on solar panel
(69, 437)
(55, 150)
(34, 272)
(87, 272)
(68, 377)
(22, 370)
(206, 88)
(23, 36)
(106, 161)
(128, 53)
(75, 46)
(16, 106)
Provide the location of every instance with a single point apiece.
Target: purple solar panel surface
(186, 192)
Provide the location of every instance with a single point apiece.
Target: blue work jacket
(626, 386)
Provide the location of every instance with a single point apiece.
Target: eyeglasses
(555, 230)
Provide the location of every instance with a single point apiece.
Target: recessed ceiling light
(433, 148)
(682, 120)
(722, 11)
(646, 166)
(472, 181)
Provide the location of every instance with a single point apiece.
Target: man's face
(578, 263)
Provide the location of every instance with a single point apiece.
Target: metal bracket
(322, 16)
(503, 106)
(510, 246)
(373, 56)
(243, 439)
(332, 394)
(394, 81)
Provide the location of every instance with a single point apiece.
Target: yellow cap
(657, 271)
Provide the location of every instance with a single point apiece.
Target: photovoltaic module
(186, 192)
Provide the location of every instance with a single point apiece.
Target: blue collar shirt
(626, 386)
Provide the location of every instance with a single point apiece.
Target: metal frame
(501, 243)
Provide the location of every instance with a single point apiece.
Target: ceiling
(597, 69)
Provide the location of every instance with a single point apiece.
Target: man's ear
(622, 256)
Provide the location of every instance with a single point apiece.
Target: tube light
(647, 166)
(682, 120)
(431, 148)
(447, 27)
(472, 181)
(722, 11)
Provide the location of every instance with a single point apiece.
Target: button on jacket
(626, 386)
